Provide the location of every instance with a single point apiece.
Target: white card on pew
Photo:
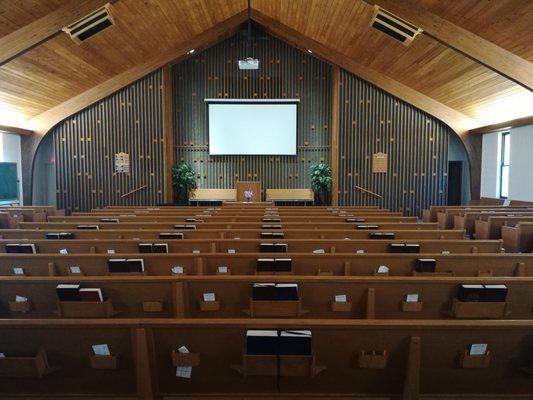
(506, 202)
(360, 251)
(184, 372)
(75, 269)
(412, 298)
(209, 297)
(101, 350)
(196, 251)
(2, 355)
(340, 298)
(231, 251)
(223, 269)
(478, 349)
(183, 350)
(319, 251)
(63, 251)
(18, 271)
(21, 299)
(237, 238)
(177, 269)
(383, 269)
(110, 251)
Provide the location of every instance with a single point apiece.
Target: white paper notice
(18, 271)
(110, 251)
(2, 355)
(223, 269)
(75, 269)
(231, 251)
(101, 350)
(478, 349)
(196, 251)
(21, 299)
(360, 251)
(412, 298)
(383, 269)
(177, 269)
(184, 372)
(63, 251)
(209, 297)
(340, 298)
(319, 251)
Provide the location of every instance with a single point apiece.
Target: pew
(347, 264)
(491, 227)
(467, 220)
(431, 215)
(518, 238)
(75, 246)
(182, 297)
(400, 355)
(446, 218)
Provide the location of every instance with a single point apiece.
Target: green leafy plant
(183, 180)
(321, 180)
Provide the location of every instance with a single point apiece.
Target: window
(505, 158)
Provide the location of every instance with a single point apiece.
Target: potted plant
(183, 180)
(321, 183)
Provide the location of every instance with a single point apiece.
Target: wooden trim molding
(334, 132)
(465, 42)
(503, 125)
(14, 130)
(459, 122)
(20, 41)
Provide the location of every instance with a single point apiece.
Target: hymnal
(265, 265)
(266, 248)
(341, 298)
(68, 292)
(160, 248)
(23, 248)
(145, 247)
(262, 342)
(494, 293)
(470, 292)
(116, 265)
(426, 265)
(101, 350)
(88, 227)
(66, 235)
(286, 291)
(52, 235)
(264, 291)
(382, 235)
(18, 271)
(171, 235)
(397, 247)
(283, 264)
(91, 294)
(478, 349)
(295, 343)
(135, 264)
(113, 220)
(412, 248)
(209, 297)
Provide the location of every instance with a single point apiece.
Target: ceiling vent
(393, 26)
(90, 25)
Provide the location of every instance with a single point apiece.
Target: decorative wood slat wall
(129, 121)
(373, 121)
(285, 72)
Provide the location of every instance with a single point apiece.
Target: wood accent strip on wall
(335, 111)
(168, 134)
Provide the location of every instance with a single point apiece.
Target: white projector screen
(241, 127)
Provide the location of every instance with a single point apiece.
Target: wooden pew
(77, 246)
(431, 215)
(8, 221)
(231, 234)
(388, 226)
(414, 351)
(518, 238)
(467, 219)
(302, 263)
(446, 219)
(491, 227)
(182, 297)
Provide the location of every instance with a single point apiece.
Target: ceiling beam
(15, 130)
(503, 125)
(459, 122)
(39, 31)
(45, 121)
(465, 42)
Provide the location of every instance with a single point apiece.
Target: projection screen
(252, 127)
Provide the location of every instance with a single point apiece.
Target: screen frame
(296, 102)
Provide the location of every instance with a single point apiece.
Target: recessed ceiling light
(190, 51)
(309, 51)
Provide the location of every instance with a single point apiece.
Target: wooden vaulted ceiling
(43, 85)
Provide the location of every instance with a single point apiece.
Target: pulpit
(254, 186)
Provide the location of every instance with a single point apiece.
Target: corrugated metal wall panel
(129, 121)
(285, 72)
(372, 121)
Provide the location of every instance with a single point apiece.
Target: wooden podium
(254, 186)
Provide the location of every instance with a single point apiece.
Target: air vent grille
(90, 25)
(394, 26)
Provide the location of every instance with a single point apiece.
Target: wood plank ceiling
(58, 70)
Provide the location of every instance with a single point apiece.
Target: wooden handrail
(134, 190)
(368, 191)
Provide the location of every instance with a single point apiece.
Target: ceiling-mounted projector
(249, 63)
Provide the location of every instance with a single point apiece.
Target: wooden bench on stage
(212, 195)
(290, 195)
(518, 238)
